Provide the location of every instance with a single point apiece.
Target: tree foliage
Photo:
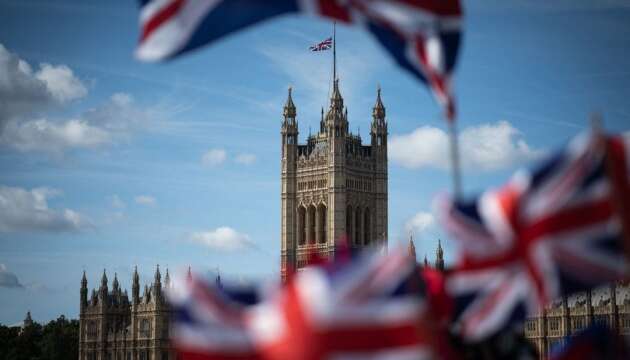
(57, 340)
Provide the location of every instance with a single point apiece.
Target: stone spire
(378, 127)
(218, 282)
(336, 100)
(322, 123)
(167, 279)
(135, 287)
(378, 112)
(28, 321)
(157, 279)
(439, 256)
(115, 284)
(104, 280)
(84, 290)
(189, 275)
(102, 291)
(426, 262)
(289, 107)
(411, 248)
(157, 285)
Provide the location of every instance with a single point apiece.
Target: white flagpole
(334, 52)
(455, 165)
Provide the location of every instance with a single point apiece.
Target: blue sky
(109, 163)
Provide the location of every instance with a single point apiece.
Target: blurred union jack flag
(422, 36)
(324, 45)
(560, 229)
(373, 308)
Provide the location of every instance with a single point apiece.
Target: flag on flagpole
(422, 36)
(324, 45)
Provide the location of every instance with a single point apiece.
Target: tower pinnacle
(439, 256)
(289, 106)
(411, 248)
(104, 279)
(378, 112)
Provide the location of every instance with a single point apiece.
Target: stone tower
(333, 187)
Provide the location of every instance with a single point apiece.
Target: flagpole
(334, 52)
(455, 165)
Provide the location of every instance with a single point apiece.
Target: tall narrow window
(301, 225)
(366, 224)
(145, 328)
(349, 221)
(323, 224)
(357, 226)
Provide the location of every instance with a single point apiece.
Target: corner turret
(378, 129)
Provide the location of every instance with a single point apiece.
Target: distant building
(113, 327)
(333, 186)
(565, 317)
(439, 255)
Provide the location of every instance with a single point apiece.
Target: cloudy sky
(106, 162)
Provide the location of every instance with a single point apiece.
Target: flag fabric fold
(552, 232)
(422, 36)
(374, 308)
(324, 45)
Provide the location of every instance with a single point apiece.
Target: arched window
(312, 224)
(323, 224)
(145, 328)
(349, 221)
(92, 329)
(357, 227)
(301, 225)
(366, 231)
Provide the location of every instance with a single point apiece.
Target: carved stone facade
(566, 317)
(114, 328)
(333, 186)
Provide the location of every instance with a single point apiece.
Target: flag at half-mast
(324, 45)
(422, 36)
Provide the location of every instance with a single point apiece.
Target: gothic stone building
(564, 318)
(333, 186)
(114, 328)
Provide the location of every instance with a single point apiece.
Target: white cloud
(117, 202)
(484, 147)
(145, 200)
(245, 159)
(8, 279)
(114, 120)
(46, 135)
(223, 239)
(22, 210)
(420, 223)
(24, 91)
(213, 157)
(61, 82)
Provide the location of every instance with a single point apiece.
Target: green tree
(57, 340)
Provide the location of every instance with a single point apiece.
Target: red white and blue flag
(373, 308)
(324, 45)
(552, 232)
(422, 36)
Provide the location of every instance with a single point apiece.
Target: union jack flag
(555, 231)
(372, 308)
(422, 36)
(324, 45)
